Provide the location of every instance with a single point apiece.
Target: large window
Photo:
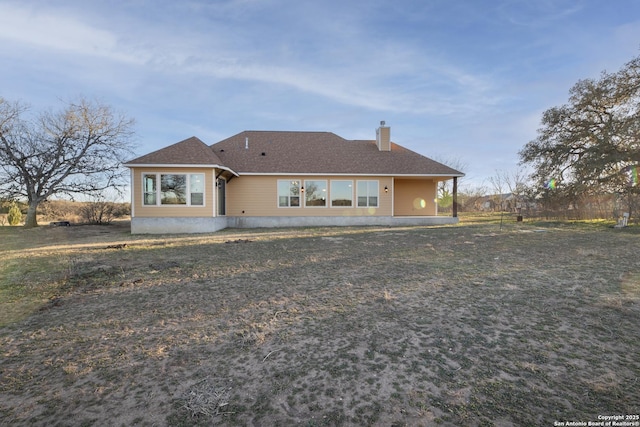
(341, 194)
(174, 189)
(315, 193)
(367, 194)
(288, 193)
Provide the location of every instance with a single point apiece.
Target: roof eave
(430, 175)
(165, 165)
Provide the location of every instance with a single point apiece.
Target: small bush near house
(14, 217)
(100, 213)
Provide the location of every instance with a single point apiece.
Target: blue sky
(457, 80)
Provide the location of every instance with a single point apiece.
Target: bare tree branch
(77, 150)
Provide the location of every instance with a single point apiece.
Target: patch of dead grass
(206, 399)
(417, 326)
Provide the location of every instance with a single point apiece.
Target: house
(281, 179)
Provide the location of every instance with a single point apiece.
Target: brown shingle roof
(272, 152)
(322, 153)
(191, 151)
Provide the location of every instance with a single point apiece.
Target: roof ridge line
(290, 131)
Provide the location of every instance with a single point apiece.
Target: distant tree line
(585, 160)
(516, 193)
(100, 212)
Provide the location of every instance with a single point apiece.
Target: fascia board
(448, 175)
(164, 165)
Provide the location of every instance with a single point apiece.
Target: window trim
(191, 193)
(331, 205)
(326, 190)
(158, 190)
(367, 181)
(145, 192)
(300, 193)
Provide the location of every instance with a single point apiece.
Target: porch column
(455, 197)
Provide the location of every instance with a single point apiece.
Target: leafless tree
(76, 150)
(498, 183)
(445, 188)
(509, 186)
(471, 195)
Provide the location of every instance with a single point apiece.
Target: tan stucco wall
(258, 196)
(415, 197)
(139, 210)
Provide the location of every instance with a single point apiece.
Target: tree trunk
(31, 220)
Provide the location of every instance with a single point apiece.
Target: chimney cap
(382, 122)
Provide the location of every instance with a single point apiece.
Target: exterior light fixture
(302, 189)
(386, 189)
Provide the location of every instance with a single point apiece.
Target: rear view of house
(283, 179)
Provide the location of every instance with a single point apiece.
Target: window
(173, 189)
(315, 193)
(341, 194)
(149, 189)
(288, 193)
(196, 188)
(368, 194)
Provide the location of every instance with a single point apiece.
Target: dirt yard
(462, 325)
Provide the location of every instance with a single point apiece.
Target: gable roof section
(278, 152)
(273, 152)
(191, 151)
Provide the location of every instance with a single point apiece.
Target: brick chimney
(383, 137)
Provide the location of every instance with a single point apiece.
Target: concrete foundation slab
(209, 225)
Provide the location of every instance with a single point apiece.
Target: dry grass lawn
(460, 325)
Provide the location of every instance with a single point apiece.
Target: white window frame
(154, 193)
(191, 192)
(326, 196)
(158, 190)
(300, 194)
(368, 193)
(333, 181)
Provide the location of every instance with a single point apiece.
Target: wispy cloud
(538, 14)
(365, 72)
(22, 24)
(466, 74)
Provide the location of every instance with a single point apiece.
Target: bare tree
(509, 186)
(470, 196)
(499, 186)
(77, 150)
(445, 188)
(99, 211)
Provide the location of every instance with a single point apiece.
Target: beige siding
(415, 197)
(140, 210)
(258, 196)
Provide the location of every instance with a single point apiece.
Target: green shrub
(15, 215)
